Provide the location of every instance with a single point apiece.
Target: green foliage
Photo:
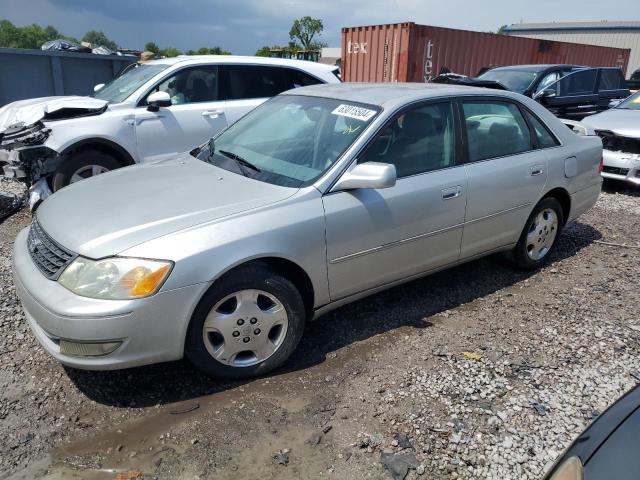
(29, 36)
(152, 47)
(305, 29)
(99, 38)
(501, 30)
(209, 51)
(170, 52)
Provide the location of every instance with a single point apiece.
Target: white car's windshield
(514, 80)
(290, 140)
(631, 103)
(118, 89)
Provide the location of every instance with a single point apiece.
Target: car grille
(616, 143)
(615, 170)
(49, 257)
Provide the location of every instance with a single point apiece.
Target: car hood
(622, 122)
(28, 112)
(110, 213)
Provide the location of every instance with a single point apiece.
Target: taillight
(601, 165)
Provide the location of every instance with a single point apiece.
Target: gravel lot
(386, 379)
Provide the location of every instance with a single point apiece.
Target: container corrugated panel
(405, 52)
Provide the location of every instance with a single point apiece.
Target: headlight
(115, 278)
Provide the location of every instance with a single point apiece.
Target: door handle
(452, 192)
(536, 170)
(212, 113)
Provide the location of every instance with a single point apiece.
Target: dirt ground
(482, 371)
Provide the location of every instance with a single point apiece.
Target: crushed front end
(621, 157)
(23, 155)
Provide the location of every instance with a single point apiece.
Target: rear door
(195, 115)
(506, 174)
(244, 87)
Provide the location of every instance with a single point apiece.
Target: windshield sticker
(351, 111)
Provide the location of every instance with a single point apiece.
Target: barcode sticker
(351, 111)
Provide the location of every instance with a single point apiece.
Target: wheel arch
(564, 198)
(103, 145)
(282, 266)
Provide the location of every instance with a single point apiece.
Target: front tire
(540, 234)
(82, 165)
(247, 324)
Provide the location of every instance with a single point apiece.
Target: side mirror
(615, 103)
(367, 175)
(98, 87)
(157, 100)
(547, 93)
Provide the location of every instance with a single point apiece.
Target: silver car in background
(320, 196)
(619, 129)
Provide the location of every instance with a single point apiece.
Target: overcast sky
(243, 26)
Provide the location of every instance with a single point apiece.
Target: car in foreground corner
(320, 196)
(608, 448)
(158, 108)
(619, 129)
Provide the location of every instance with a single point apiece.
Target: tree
(170, 52)
(501, 30)
(304, 30)
(152, 47)
(99, 38)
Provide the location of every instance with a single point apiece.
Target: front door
(195, 114)
(375, 237)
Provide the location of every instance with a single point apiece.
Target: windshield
(290, 140)
(514, 80)
(631, 103)
(118, 89)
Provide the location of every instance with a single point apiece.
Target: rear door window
(610, 79)
(261, 81)
(494, 129)
(544, 137)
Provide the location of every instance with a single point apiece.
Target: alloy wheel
(245, 328)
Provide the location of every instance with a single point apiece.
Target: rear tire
(540, 235)
(247, 324)
(82, 165)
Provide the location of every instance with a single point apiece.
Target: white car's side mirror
(98, 87)
(367, 175)
(157, 100)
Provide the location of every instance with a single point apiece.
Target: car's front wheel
(247, 324)
(83, 165)
(540, 234)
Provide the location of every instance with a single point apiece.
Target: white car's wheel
(83, 165)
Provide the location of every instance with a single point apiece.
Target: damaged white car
(619, 129)
(158, 108)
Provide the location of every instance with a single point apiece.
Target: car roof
(391, 95)
(535, 68)
(283, 62)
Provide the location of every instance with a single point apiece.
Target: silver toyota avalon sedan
(319, 197)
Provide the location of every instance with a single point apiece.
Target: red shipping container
(406, 52)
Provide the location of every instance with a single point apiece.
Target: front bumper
(621, 166)
(151, 330)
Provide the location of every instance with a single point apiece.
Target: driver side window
(191, 85)
(416, 141)
(547, 82)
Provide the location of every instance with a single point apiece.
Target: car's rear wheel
(540, 234)
(83, 165)
(247, 324)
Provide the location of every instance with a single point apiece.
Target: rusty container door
(378, 53)
(405, 52)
